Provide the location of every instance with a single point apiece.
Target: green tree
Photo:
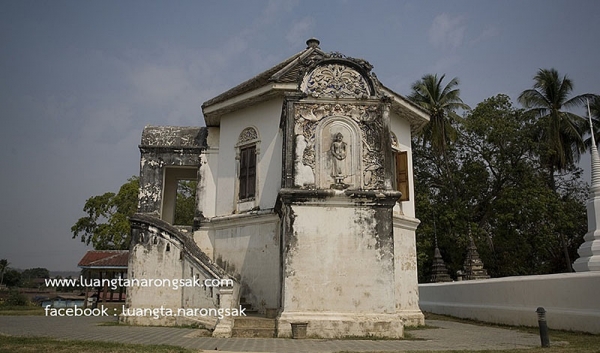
(440, 132)
(3, 268)
(12, 278)
(106, 225)
(186, 201)
(30, 275)
(594, 105)
(441, 102)
(37, 272)
(559, 132)
(502, 197)
(15, 298)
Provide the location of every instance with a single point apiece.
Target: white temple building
(305, 202)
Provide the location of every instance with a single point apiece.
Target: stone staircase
(248, 306)
(253, 327)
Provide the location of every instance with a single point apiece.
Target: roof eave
(212, 113)
(103, 267)
(416, 115)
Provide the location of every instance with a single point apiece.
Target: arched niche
(338, 154)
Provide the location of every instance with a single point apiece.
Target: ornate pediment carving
(337, 81)
(247, 135)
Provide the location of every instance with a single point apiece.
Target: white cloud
(276, 7)
(300, 30)
(488, 33)
(447, 32)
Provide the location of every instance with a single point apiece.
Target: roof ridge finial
(312, 43)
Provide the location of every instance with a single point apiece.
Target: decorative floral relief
(307, 117)
(316, 112)
(394, 140)
(248, 134)
(373, 175)
(308, 157)
(335, 80)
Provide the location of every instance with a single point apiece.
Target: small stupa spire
(595, 157)
(473, 266)
(439, 272)
(589, 251)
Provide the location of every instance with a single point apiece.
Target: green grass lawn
(560, 341)
(21, 310)
(29, 310)
(9, 344)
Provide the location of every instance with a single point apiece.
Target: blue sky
(80, 79)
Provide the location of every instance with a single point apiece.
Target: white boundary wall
(571, 300)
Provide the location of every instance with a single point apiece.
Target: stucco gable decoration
(173, 137)
(248, 135)
(335, 80)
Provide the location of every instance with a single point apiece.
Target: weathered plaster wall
(339, 275)
(331, 266)
(247, 246)
(150, 259)
(401, 129)
(161, 253)
(570, 300)
(209, 166)
(405, 270)
(161, 147)
(265, 118)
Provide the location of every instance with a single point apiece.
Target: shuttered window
(402, 174)
(247, 172)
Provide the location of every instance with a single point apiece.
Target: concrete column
(224, 327)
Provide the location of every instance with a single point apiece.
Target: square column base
(342, 325)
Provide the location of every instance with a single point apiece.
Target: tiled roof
(105, 258)
(271, 75)
(291, 71)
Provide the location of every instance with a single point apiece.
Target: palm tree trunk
(449, 174)
(563, 242)
(561, 236)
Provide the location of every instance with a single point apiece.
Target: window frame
(247, 173)
(248, 141)
(401, 169)
(401, 174)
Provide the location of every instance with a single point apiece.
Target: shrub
(16, 299)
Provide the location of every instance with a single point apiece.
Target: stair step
(253, 332)
(254, 322)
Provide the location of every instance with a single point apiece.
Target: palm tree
(595, 112)
(560, 132)
(442, 103)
